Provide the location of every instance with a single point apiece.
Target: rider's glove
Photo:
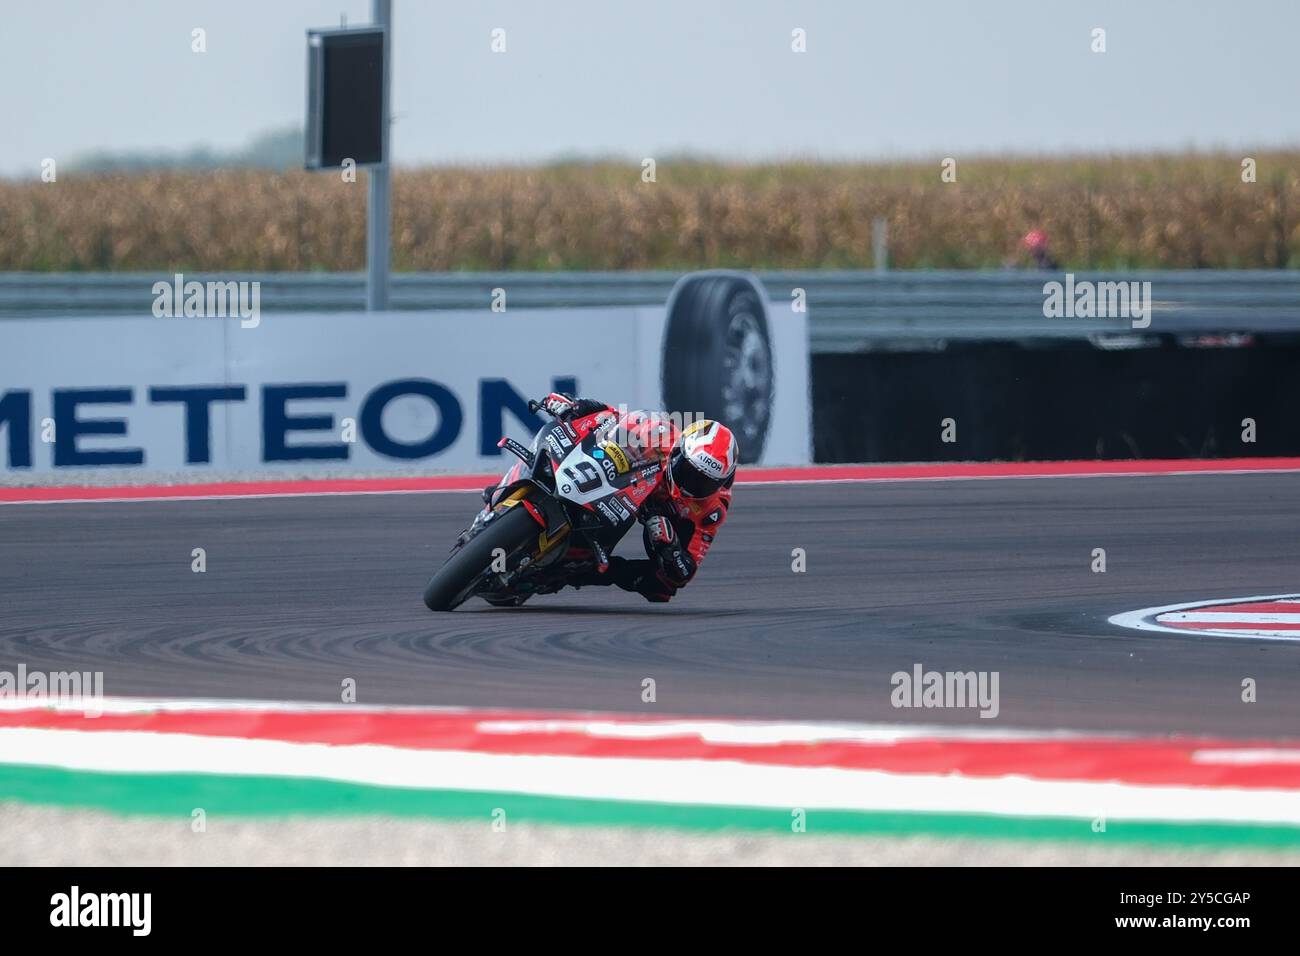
(676, 566)
(559, 404)
(659, 534)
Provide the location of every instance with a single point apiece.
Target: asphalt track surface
(301, 593)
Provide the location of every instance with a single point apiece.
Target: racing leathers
(677, 530)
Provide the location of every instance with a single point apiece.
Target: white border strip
(1089, 474)
(631, 726)
(146, 499)
(691, 782)
(776, 482)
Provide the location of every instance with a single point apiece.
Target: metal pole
(377, 220)
(880, 244)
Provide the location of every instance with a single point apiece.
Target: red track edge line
(274, 487)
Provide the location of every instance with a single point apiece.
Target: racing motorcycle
(557, 512)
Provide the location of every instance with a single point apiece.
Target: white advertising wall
(301, 392)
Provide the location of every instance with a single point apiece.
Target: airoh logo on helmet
(707, 463)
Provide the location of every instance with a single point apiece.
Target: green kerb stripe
(230, 795)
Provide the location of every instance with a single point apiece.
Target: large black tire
(717, 357)
(509, 532)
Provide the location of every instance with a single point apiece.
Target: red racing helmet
(702, 460)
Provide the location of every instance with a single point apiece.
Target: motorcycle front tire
(450, 585)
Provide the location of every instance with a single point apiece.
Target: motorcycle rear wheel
(451, 584)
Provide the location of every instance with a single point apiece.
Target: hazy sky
(633, 79)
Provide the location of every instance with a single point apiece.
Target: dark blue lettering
(495, 395)
(372, 418)
(68, 428)
(198, 416)
(277, 423)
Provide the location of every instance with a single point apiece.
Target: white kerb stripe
(697, 782)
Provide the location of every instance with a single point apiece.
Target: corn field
(1179, 212)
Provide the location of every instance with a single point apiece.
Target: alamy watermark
(922, 688)
(648, 430)
(1086, 299)
(208, 300)
(74, 908)
(70, 690)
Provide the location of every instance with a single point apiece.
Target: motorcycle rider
(682, 516)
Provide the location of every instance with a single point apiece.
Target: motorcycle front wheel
(453, 583)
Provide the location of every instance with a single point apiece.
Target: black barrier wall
(1010, 402)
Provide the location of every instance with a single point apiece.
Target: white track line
(596, 724)
(278, 494)
(745, 484)
(1095, 474)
